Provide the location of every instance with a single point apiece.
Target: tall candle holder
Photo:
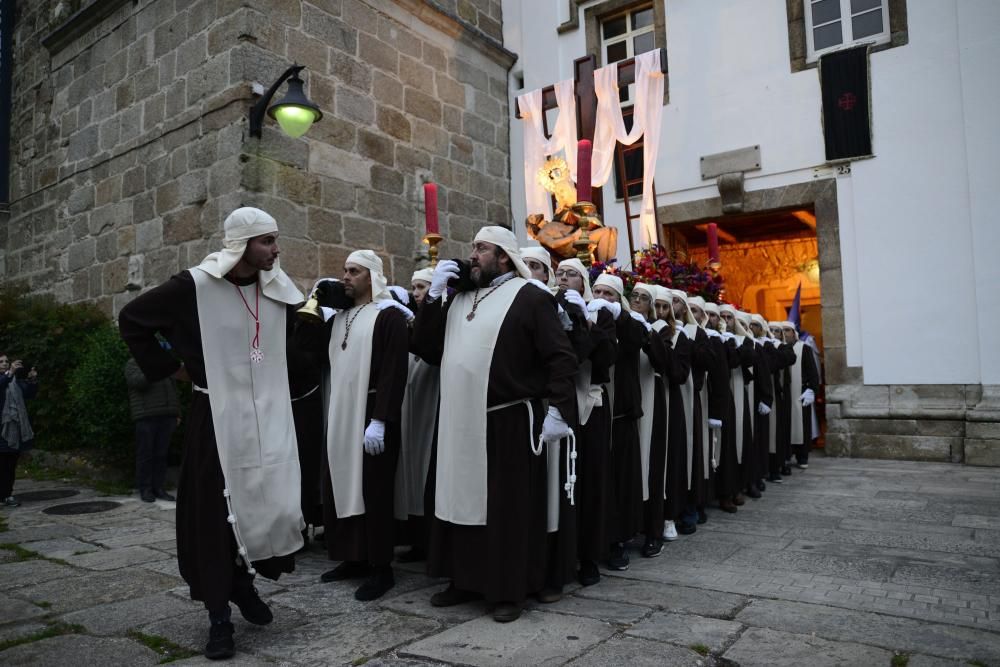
(586, 215)
(432, 240)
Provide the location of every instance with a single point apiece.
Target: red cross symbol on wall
(847, 101)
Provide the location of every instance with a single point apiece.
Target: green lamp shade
(295, 120)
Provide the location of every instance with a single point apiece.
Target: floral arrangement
(655, 265)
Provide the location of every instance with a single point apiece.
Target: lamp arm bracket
(260, 107)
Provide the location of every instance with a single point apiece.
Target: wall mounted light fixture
(295, 112)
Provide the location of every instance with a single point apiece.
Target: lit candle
(713, 242)
(431, 208)
(583, 151)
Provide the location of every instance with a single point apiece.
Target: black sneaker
(147, 496)
(786, 470)
(251, 607)
(11, 501)
(160, 494)
(220, 641)
(652, 548)
(752, 492)
(687, 528)
(376, 585)
(414, 555)
(702, 516)
(452, 596)
(619, 557)
(588, 574)
(349, 569)
(761, 486)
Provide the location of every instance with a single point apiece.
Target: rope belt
(308, 393)
(201, 389)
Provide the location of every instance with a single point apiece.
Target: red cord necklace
(256, 355)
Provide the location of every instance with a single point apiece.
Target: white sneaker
(803, 466)
(669, 531)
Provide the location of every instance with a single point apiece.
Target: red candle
(431, 208)
(583, 151)
(713, 242)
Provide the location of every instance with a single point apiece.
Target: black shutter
(846, 108)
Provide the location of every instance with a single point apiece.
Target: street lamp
(295, 112)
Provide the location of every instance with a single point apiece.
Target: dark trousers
(152, 439)
(801, 453)
(8, 464)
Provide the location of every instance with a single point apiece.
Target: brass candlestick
(432, 240)
(586, 215)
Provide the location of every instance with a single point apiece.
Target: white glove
(382, 304)
(443, 272)
(762, 409)
(375, 437)
(539, 284)
(573, 298)
(774, 342)
(639, 318)
(554, 428)
(728, 336)
(596, 304)
(715, 423)
(567, 324)
(400, 294)
(712, 333)
(808, 397)
(679, 326)
(327, 313)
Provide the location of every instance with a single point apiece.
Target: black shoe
(550, 594)
(376, 585)
(588, 574)
(220, 641)
(414, 555)
(786, 471)
(752, 492)
(349, 569)
(452, 596)
(761, 486)
(147, 495)
(652, 548)
(702, 517)
(160, 494)
(687, 528)
(505, 612)
(251, 607)
(619, 557)
(11, 501)
(775, 479)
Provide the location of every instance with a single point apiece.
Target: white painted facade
(919, 232)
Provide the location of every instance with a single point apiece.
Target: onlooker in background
(156, 412)
(17, 385)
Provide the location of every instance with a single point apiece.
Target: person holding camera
(17, 385)
(156, 412)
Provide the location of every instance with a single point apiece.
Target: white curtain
(610, 127)
(537, 148)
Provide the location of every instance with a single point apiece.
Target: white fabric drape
(537, 148)
(610, 127)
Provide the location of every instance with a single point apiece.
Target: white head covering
(663, 294)
(369, 260)
(541, 255)
(711, 307)
(242, 225)
(503, 237)
(682, 295)
(578, 266)
(759, 319)
(615, 283)
(738, 327)
(790, 325)
(425, 275)
(697, 301)
(650, 290)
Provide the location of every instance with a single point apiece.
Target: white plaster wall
(918, 243)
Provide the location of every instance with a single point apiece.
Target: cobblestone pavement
(849, 563)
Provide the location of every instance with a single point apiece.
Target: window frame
(628, 37)
(846, 25)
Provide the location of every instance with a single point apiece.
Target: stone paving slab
(770, 648)
(31, 572)
(619, 613)
(977, 521)
(663, 596)
(888, 632)
(20, 630)
(339, 595)
(13, 610)
(418, 603)
(537, 638)
(636, 652)
(115, 559)
(56, 651)
(812, 563)
(915, 544)
(686, 630)
(142, 533)
(119, 617)
(931, 661)
(89, 589)
(41, 532)
(61, 547)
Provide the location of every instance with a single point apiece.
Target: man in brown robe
(216, 553)
(502, 350)
(365, 348)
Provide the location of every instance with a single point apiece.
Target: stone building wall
(130, 141)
